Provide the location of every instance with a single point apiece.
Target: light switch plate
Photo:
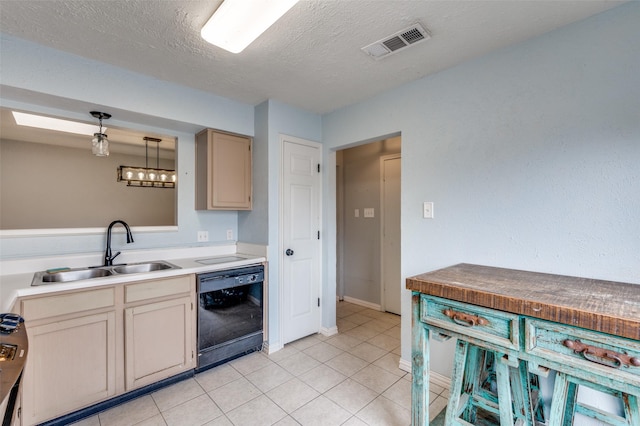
(356, 213)
(427, 209)
(368, 212)
(203, 236)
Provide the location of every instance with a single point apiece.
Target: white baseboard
(329, 331)
(440, 380)
(362, 303)
(405, 365)
(271, 348)
(434, 377)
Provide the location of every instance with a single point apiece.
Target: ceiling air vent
(396, 42)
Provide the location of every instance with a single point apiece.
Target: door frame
(383, 158)
(281, 256)
(339, 231)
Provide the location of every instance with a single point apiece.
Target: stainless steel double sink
(64, 275)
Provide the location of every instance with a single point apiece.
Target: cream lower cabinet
(72, 353)
(159, 335)
(88, 346)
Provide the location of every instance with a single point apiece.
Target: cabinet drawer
(493, 326)
(68, 303)
(587, 350)
(157, 288)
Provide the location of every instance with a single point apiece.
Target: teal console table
(517, 326)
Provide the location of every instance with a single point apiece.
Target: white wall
(531, 156)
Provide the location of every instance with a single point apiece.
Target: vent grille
(394, 44)
(398, 41)
(412, 36)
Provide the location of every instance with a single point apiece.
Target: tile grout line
(367, 325)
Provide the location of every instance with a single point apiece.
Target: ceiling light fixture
(50, 123)
(237, 23)
(100, 143)
(147, 177)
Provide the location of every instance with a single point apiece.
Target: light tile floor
(349, 379)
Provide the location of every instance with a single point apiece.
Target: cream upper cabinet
(159, 330)
(223, 171)
(72, 353)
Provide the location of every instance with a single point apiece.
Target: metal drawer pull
(602, 356)
(466, 320)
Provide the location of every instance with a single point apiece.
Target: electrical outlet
(356, 213)
(203, 236)
(427, 209)
(229, 234)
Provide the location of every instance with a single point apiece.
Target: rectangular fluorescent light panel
(42, 122)
(237, 23)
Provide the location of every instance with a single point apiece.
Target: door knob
(289, 252)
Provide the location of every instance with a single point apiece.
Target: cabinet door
(223, 171)
(159, 341)
(71, 364)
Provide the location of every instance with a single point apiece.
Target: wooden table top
(606, 306)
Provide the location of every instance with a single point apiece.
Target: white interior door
(301, 254)
(390, 247)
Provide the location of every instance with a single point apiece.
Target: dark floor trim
(110, 403)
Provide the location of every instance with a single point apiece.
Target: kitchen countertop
(604, 306)
(17, 282)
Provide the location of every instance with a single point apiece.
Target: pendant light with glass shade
(100, 142)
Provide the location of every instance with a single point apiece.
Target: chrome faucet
(108, 258)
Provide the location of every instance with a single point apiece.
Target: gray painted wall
(361, 236)
(47, 186)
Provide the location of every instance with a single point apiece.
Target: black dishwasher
(230, 314)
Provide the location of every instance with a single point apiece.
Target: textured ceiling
(311, 58)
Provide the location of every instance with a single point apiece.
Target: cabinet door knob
(289, 252)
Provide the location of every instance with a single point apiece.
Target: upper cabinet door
(223, 171)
